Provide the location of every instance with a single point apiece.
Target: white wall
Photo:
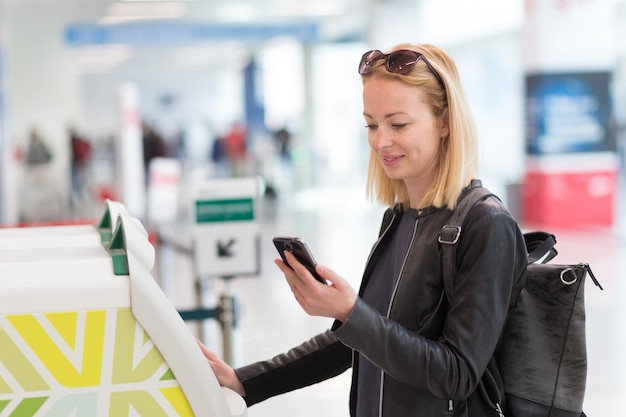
(45, 89)
(8, 207)
(493, 80)
(570, 35)
(340, 137)
(44, 81)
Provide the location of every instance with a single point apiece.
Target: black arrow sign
(224, 250)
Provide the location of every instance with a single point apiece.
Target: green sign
(218, 211)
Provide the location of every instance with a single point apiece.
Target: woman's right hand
(224, 373)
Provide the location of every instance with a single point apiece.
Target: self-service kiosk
(86, 331)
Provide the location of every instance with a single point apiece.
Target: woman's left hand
(335, 300)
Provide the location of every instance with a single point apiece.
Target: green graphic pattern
(84, 364)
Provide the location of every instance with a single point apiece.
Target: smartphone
(300, 250)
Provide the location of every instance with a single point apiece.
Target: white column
(129, 150)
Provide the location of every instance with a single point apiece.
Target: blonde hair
(457, 163)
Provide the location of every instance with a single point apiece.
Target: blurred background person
(80, 158)
(37, 152)
(154, 146)
(236, 148)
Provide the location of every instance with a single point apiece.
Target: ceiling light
(154, 1)
(125, 12)
(236, 12)
(307, 7)
(102, 58)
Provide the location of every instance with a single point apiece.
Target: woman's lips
(390, 160)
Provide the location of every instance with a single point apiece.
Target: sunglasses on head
(398, 62)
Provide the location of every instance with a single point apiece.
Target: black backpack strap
(451, 232)
(540, 246)
(448, 237)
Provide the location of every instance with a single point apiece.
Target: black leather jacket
(432, 353)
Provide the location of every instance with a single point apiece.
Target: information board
(226, 232)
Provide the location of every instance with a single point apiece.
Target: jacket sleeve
(315, 360)
(491, 265)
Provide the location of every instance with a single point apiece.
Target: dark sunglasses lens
(402, 62)
(368, 58)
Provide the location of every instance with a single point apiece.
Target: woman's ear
(444, 124)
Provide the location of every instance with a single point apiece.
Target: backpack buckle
(449, 234)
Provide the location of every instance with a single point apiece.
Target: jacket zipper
(393, 218)
(382, 235)
(393, 296)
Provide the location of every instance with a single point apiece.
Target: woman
(412, 352)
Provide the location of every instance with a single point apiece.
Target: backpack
(542, 356)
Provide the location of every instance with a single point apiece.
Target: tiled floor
(340, 228)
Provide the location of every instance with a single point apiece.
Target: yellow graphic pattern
(84, 364)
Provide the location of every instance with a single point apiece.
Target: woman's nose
(381, 139)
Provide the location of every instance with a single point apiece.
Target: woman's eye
(399, 125)
(371, 127)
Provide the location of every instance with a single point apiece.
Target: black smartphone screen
(300, 250)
